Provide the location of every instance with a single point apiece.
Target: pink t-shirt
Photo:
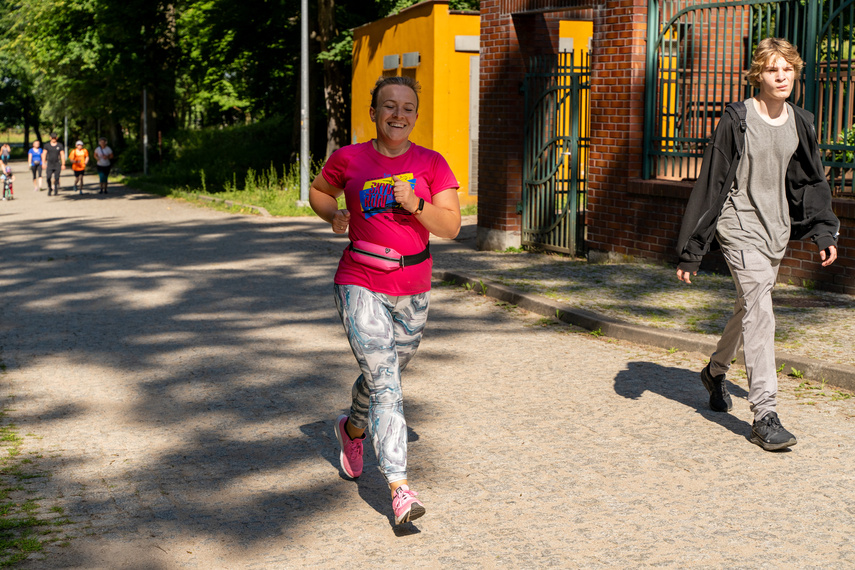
(366, 177)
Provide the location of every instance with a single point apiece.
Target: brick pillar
(500, 138)
(506, 43)
(617, 115)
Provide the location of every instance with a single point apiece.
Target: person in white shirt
(103, 157)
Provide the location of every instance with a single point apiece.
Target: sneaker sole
(708, 385)
(341, 448)
(771, 446)
(416, 510)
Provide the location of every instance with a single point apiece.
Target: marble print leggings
(384, 334)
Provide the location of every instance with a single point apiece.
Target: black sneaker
(720, 400)
(769, 434)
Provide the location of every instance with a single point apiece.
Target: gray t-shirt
(756, 214)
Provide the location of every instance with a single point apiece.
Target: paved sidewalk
(644, 302)
(177, 372)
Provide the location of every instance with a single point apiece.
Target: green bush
(223, 156)
(847, 137)
(130, 161)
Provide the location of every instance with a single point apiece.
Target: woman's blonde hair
(406, 81)
(770, 48)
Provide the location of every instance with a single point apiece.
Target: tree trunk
(335, 80)
(26, 117)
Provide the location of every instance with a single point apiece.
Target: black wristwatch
(420, 208)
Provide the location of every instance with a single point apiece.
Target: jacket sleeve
(702, 211)
(811, 214)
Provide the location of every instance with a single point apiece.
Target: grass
(25, 526)
(470, 210)
(276, 192)
(241, 164)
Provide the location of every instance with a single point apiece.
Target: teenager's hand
(828, 259)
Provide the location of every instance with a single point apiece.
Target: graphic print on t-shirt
(377, 196)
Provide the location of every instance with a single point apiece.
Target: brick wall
(655, 211)
(629, 216)
(617, 100)
(626, 215)
(500, 115)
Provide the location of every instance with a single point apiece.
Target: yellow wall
(443, 123)
(580, 30)
(428, 28)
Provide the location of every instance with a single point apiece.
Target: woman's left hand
(404, 194)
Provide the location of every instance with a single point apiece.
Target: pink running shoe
(406, 506)
(351, 449)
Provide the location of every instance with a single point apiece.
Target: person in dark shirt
(54, 154)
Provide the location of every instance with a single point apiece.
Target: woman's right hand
(340, 221)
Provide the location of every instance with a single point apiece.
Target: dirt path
(178, 371)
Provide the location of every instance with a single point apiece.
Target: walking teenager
(54, 163)
(396, 194)
(761, 184)
(79, 158)
(103, 156)
(34, 161)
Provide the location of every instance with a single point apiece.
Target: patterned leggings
(384, 334)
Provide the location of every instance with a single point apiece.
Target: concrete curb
(231, 203)
(834, 374)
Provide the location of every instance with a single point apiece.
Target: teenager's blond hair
(768, 49)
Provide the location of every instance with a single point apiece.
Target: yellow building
(439, 48)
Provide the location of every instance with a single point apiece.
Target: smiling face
(777, 79)
(395, 115)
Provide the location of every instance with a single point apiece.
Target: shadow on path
(213, 339)
(680, 385)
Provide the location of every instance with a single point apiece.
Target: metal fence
(556, 146)
(698, 53)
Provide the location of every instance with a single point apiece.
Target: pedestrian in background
(5, 155)
(79, 158)
(7, 180)
(103, 158)
(54, 163)
(396, 195)
(761, 184)
(34, 161)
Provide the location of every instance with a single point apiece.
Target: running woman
(396, 194)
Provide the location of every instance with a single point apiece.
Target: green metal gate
(556, 144)
(698, 53)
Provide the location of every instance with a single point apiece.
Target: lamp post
(145, 130)
(304, 103)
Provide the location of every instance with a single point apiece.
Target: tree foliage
(201, 63)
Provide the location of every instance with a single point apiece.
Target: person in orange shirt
(79, 158)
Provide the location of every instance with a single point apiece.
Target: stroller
(7, 179)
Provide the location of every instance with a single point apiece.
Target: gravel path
(176, 371)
